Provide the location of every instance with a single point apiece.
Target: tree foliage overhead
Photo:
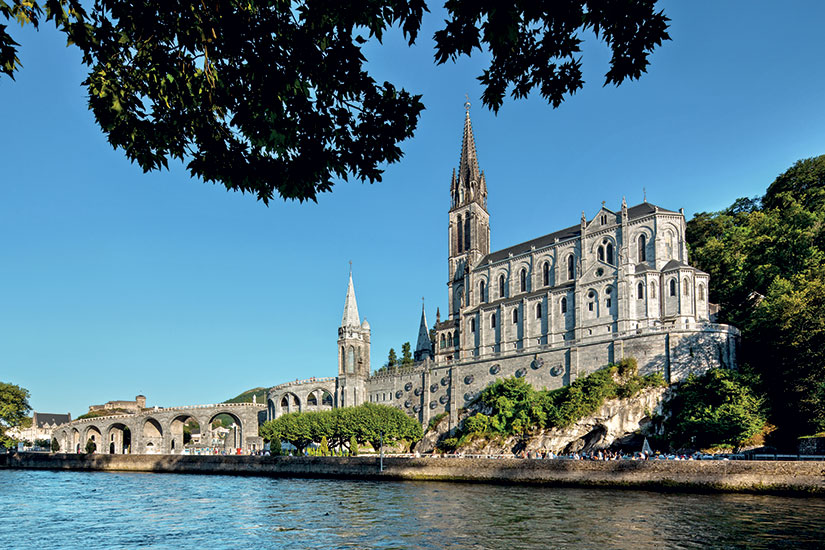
(273, 98)
(14, 406)
(766, 259)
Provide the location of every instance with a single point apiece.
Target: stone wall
(430, 390)
(750, 476)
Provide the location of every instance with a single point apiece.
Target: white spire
(350, 318)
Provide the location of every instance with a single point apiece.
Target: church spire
(468, 185)
(424, 346)
(350, 318)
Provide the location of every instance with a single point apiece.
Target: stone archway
(92, 433)
(152, 437)
(185, 431)
(74, 439)
(118, 439)
(232, 435)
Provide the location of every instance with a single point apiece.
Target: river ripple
(74, 510)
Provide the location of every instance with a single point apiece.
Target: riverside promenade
(787, 477)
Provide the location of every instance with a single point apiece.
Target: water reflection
(119, 510)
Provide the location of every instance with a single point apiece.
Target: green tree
(275, 447)
(765, 258)
(406, 354)
(353, 446)
(392, 359)
(14, 406)
(717, 408)
(91, 447)
(274, 98)
(323, 447)
(55, 445)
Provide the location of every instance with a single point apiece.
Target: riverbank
(733, 476)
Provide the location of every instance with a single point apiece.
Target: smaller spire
(424, 346)
(350, 318)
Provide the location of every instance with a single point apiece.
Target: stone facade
(617, 284)
(160, 430)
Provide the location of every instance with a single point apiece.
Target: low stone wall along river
(747, 476)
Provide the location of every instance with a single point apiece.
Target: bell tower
(469, 232)
(353, 353)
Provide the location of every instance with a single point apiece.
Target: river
(79, 510)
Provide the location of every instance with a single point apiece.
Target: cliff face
(616, 421)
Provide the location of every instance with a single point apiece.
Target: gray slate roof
(40, 420)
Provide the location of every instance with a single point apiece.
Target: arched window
(701, 293)
(481, 290)
(467, 233)
(642, 248)
(640, 291)
(610, 253)
(443, 341)
(546, 273)
(493, 320)
(312, 401)
(591, 296)
(351, 359)
(449, 339)
(538, 310)
(571, 270)
(673, 287)
(652, 290)
(685, 287)
(523, 280)
(564, 305)
(601, 253)
(515, 316)
(472, 325)
(460, 233)
(501, 286)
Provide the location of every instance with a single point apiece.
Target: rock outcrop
(617, 421)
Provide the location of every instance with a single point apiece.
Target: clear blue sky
(114, 282)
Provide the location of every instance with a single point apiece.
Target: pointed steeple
(468, 184)
(468, 168)
(350, 318)
(424, 346)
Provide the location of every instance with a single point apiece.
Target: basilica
(617, 284)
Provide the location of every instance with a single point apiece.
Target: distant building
(41, 428)
(135, 406)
